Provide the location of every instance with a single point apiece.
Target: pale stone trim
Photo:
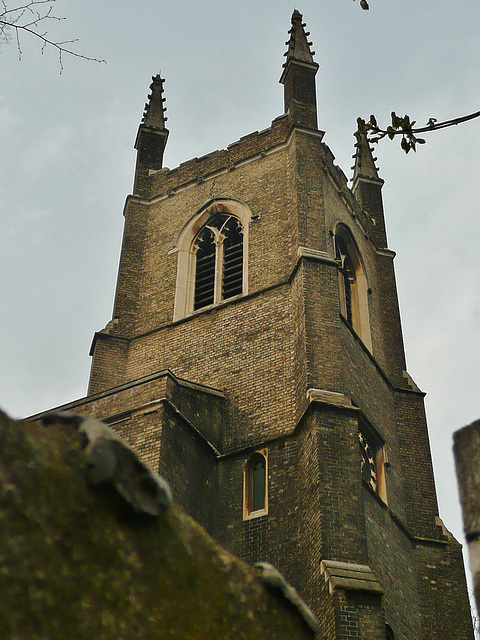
(381, 463)
(315, 254)
(348, 576)
(329, 397)
(386, 253)
(369, 180)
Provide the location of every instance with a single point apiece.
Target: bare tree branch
(26, 19)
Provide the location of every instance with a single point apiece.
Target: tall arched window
(353, 285)
(212, 256)
(219, 260)
(255, 486)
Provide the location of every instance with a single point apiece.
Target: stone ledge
(329, 397)
(315, 254)
(353, 577)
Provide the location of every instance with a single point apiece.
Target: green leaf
(405, 145)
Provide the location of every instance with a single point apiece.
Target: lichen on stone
(76, 562)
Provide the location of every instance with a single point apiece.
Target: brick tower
(255, 358)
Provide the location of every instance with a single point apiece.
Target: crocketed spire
(364, 166)
(151, 137)
(298, 76)
(298, 45)
(367, 189)
(154, 112)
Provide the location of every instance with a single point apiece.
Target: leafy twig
(404, 127)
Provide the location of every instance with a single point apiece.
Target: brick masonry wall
(190, 468)
(359, 616)
(263, 185)
(340, 486)
(126, 307)
(396, 572)
(414, 446)
(103, 375)
(245, 349)
(311, 514)
(441, 590)
(385, 328)
(274, 537)
(249, 146)
(369, 195)
(300, 372)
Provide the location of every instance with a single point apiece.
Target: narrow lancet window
(205, 269)
(347, 272)
(219, 261)
(255, 486)
(258, 484)
(232, 284)
(353, 285)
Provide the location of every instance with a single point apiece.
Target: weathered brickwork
(414, 447)
(359, 616)
(402, 610)
(279, 368)
(436, 583)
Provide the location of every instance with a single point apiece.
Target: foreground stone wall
(77, 562)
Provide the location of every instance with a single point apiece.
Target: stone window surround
(248, 514)
(185, 248)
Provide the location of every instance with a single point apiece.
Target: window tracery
(219, 260)
(212, 256)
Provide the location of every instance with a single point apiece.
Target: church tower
(255, 358)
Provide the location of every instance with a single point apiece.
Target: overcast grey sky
(67, 165)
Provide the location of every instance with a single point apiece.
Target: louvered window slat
(205, 270)
(230, 273)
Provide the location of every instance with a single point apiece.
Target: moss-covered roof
(77, 562)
